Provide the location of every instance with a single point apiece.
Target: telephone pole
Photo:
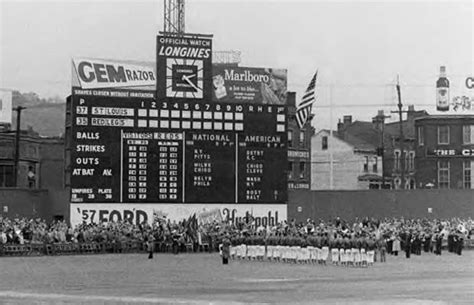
(380, 121)
(17, 144)
(402, 138)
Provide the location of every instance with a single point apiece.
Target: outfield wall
(33, 203)
(380, 203)
(302, 204)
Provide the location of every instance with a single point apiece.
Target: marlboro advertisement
(249, 85)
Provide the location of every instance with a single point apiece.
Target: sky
(358, 47)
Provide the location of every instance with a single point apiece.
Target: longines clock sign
(184, 64)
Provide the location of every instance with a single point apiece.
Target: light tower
(174, 25)
(174, 17)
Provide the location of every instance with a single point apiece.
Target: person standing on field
(150, 245)
(383, 249)
(408, 245)
(396, 246)
(225, 249)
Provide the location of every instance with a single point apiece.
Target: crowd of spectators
(393, 233)
(24, 231)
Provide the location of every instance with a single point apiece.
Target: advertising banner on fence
(262, 214)
(249, 85)
(103, 73)
(5, 106)
(209, 216)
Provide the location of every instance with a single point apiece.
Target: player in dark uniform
(450, 242)
(150, 245)
(426, 242)
(408, 242)
(382, 244)
(460, 243)
(175, 242)
(225, 249)
(439, 241)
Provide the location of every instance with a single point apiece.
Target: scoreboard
(130, 147)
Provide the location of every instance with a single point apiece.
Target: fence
(98, 248)
(423, 203)
(124, 247)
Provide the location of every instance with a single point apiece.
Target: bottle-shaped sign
(442, 91)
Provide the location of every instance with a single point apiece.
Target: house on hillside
(344, 163)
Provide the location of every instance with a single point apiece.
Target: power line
(366, 105)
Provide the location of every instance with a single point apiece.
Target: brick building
(392, 149)
(28, 160)
(299, 149)
(366, 143)
(42, 156)
(40, 193)
(445, 151)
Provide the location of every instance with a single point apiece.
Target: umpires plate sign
(185, 67)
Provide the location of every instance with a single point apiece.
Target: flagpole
(330, 141)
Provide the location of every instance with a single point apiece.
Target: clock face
(184, 78)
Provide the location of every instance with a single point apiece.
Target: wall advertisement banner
(454, 94)
(206, 217)
(5, 106)
(226, 84)
(100, 73)
(450, 152)
(263, 214)
(250, 85)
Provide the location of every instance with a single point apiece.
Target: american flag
(304, 108)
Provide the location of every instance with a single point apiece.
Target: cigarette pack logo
(219, 86)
